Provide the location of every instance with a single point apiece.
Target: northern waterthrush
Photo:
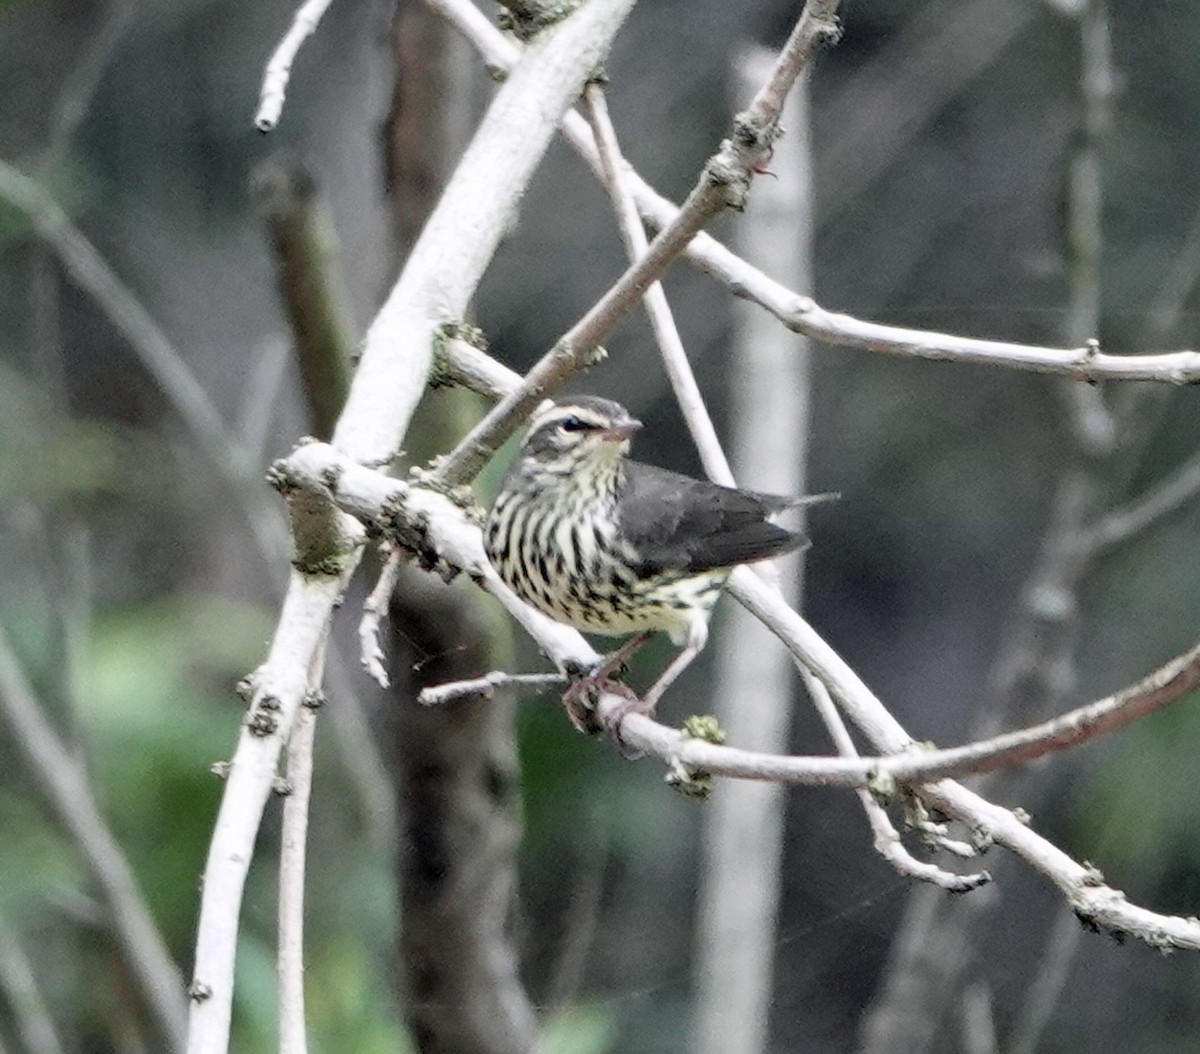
(612, 546)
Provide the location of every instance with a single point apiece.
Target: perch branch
(453, 542)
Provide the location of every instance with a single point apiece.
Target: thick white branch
(293, 1032)
(279, 688)
(458, 241)
(438, 280)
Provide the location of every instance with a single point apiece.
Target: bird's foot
(581, 697)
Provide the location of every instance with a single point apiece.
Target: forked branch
(804, 315)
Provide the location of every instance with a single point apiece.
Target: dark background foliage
(135, 595)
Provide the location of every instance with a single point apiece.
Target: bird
(613, 546)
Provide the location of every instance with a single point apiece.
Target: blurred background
(141, 559)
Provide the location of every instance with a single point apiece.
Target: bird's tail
(780, 502)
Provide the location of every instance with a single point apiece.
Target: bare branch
(80, 84)
(67, 789)
(978, 1019)
(472, 215)
(437, 282)
(305, 247)
(1159, 502)
(1097, 905)
(487, 685)
(662, 321)
(449, 534)
(375, 609)
(294, 837)
(1168, 683)
(885, 838)
(816, 27)
(460, 362)
(279, 68)
(935, 55)
(1046, 986)
(280, 686)
(804, 315)
(261, 396)
(391, 504)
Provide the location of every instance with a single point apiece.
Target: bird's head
(576, 434)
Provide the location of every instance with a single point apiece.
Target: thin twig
(487, 685)
(928, 63)
(979, 1019)
(261, 396)
(78, 88)
(1046, 986)
(280, 686)
(582, 919)
(461, 363)
(658, 309)
(279, 68)
(360, 752)
(157, 978)
(885, 838)
(1120, 525)
(375, 609)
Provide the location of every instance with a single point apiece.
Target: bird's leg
(697, 636)
(578, 697)
(619, 658)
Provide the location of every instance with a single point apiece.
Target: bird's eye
(573, 424)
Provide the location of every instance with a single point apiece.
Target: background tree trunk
(455, 764)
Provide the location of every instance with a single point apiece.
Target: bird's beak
(621, 429)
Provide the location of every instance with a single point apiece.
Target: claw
(580, 701)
